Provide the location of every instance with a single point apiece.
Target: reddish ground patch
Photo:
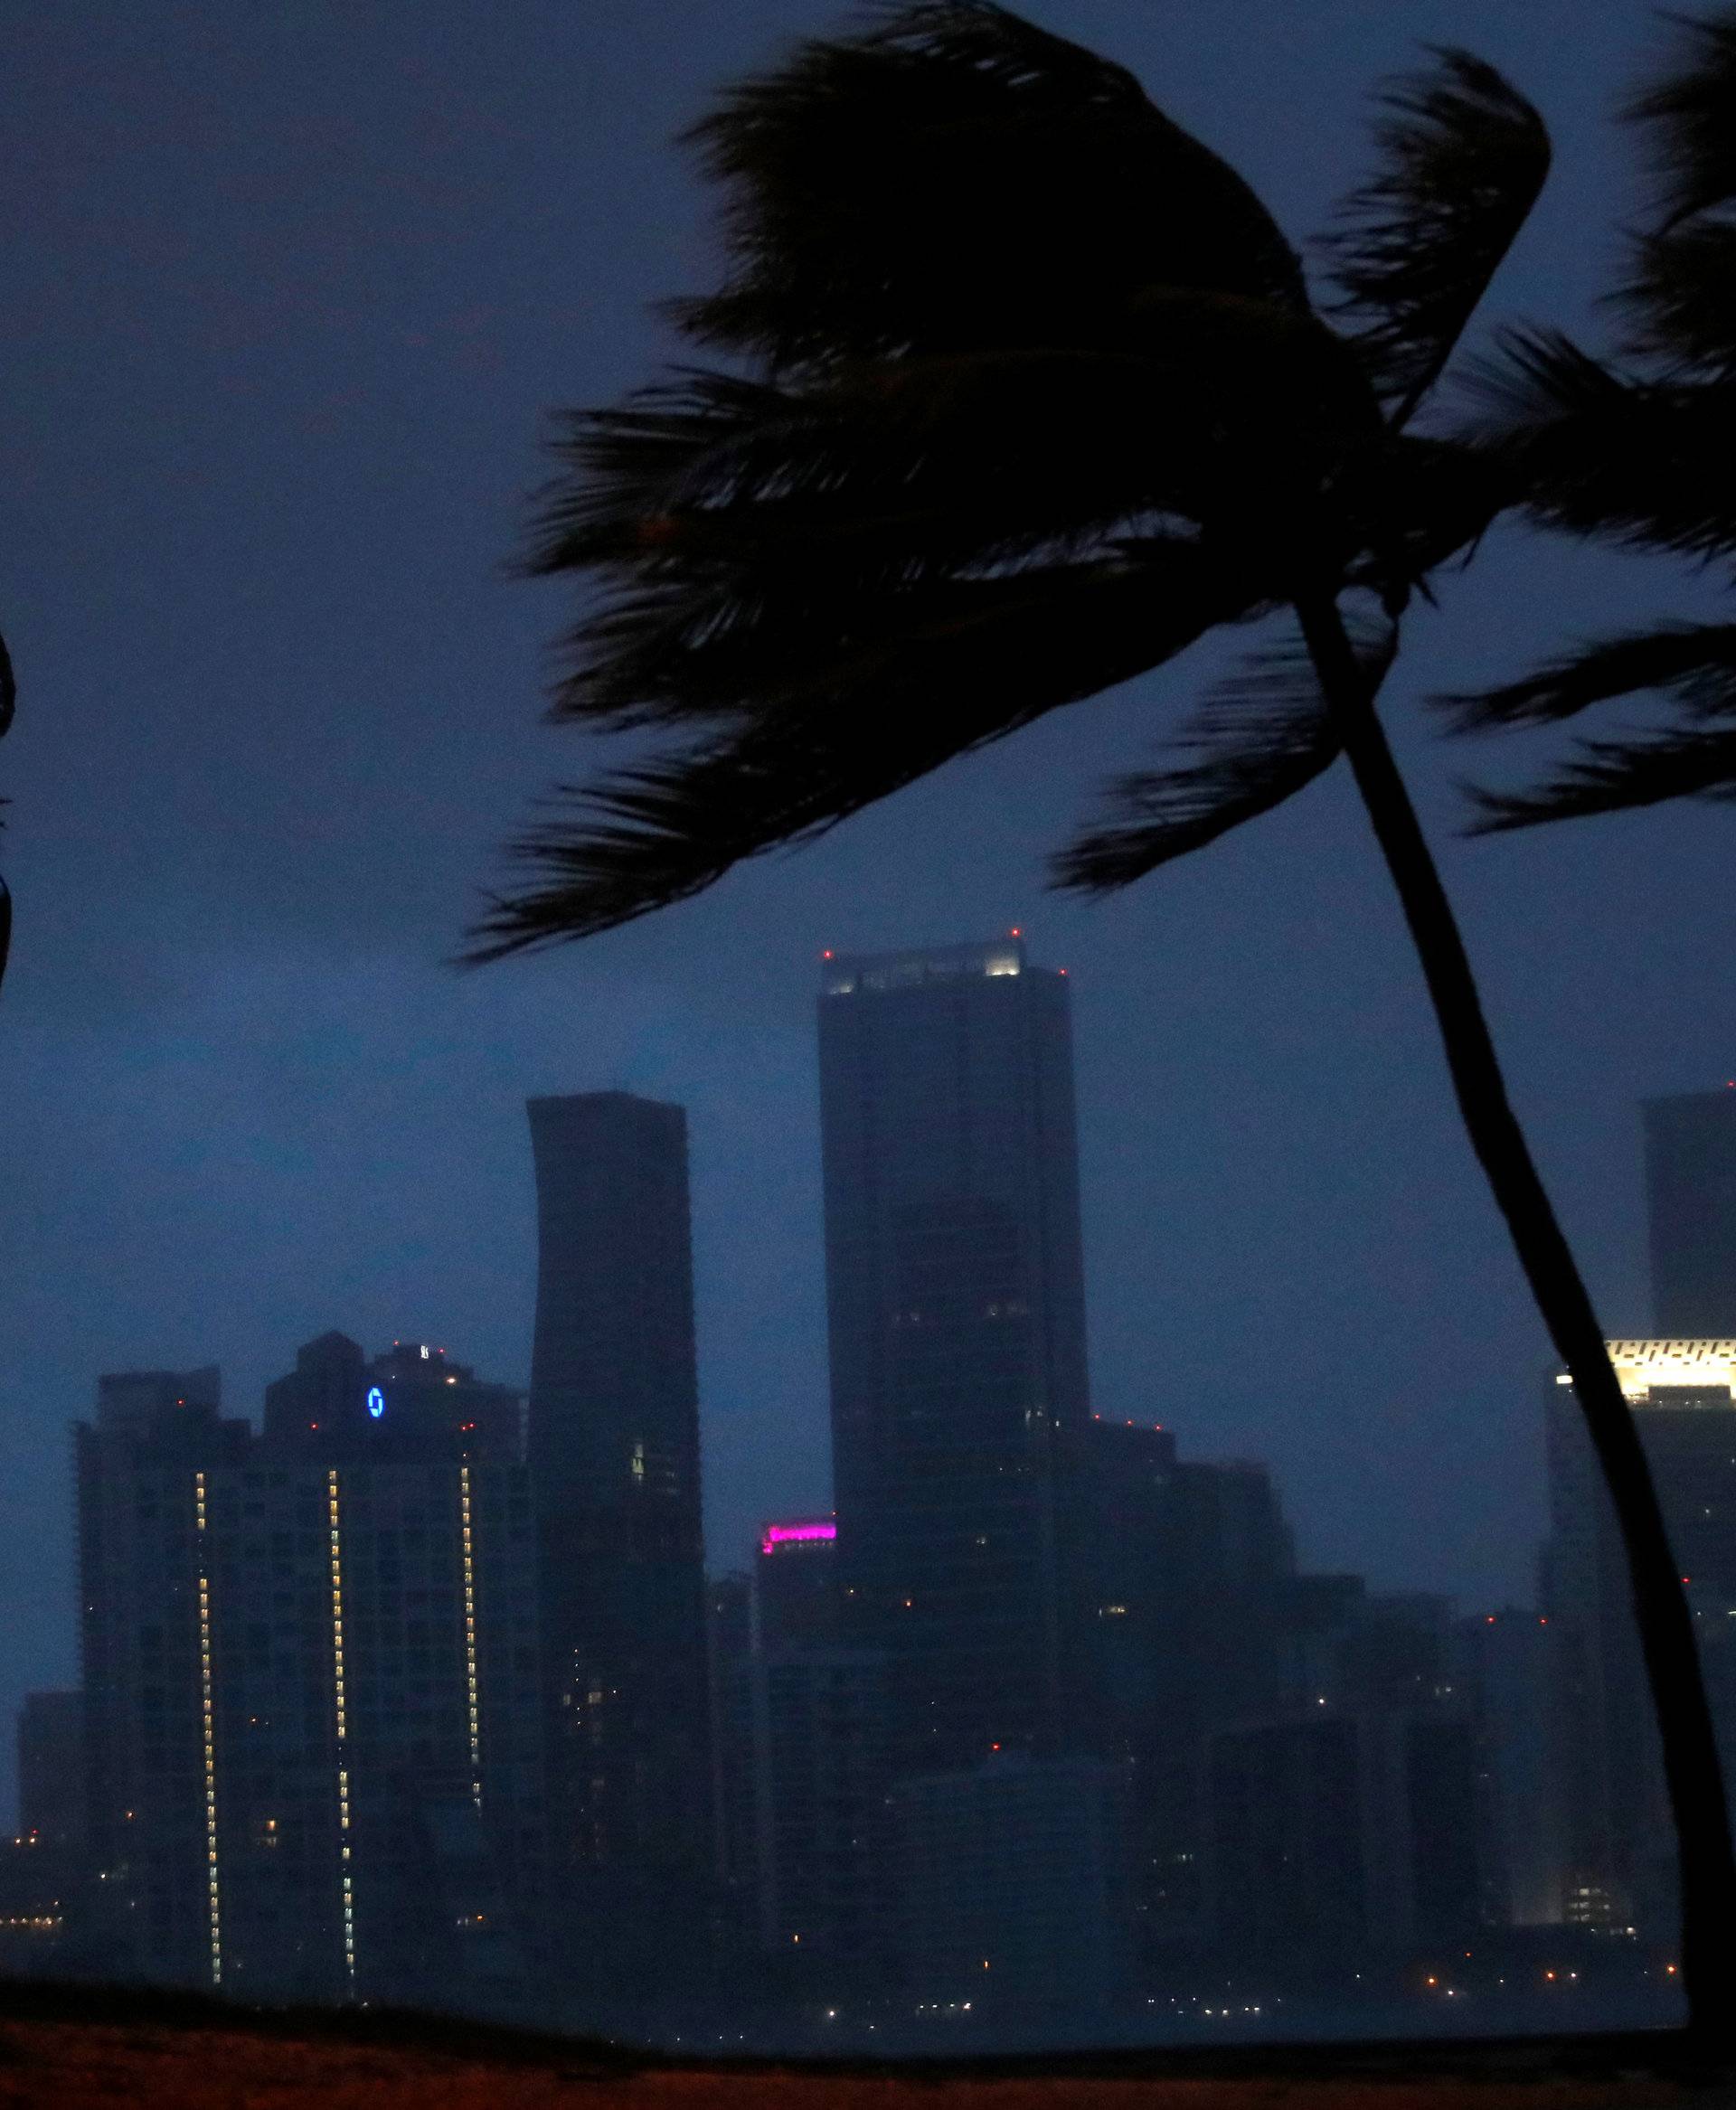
(68, 2065)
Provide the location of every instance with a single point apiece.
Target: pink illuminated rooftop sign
(797, 1534)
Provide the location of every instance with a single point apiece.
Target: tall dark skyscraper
(956, 1307)
(614, 1451)
(1690, 1208)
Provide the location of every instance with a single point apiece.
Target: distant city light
(376, 1401)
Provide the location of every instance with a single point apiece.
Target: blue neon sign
(376, 1401)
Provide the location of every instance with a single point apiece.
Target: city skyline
(421, 1690)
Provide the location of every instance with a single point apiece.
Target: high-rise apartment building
(957, 1326)
(313, 1719)
(1619, 1845)
(614, 1450)
(1691, 1211)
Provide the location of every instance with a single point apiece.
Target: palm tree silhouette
(1029, 395)
(1636, 451)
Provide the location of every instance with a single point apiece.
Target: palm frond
(1586, 447)
(1679, 302)
(1694, 663)
(752, 534)
(1258, 738)
(1617, 775)
(1462, 158)
(1690, 114)
(953, 176)
(867, 723)
(965, 459)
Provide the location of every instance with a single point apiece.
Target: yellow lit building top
(1701, 1366)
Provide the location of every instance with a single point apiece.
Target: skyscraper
(1618, 1843)
(956, 1321)
(314, 1733)
(1691, 1209)
(614, 1451)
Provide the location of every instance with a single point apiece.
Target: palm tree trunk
(1696, 1791)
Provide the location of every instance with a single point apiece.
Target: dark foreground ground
(66, 2049)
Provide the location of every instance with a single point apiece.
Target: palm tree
(1636, 451)
(1028, 394)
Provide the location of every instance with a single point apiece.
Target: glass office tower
(614, 1454)
(955, 1309)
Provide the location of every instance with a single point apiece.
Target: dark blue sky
(287, 293)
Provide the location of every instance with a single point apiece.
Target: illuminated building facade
(614, 1450)
(1619, 1845)
(1691, 1212)
(314, 1723)
(957, 1327)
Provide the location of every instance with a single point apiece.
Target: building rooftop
(844, 974)
(1671, 1367)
